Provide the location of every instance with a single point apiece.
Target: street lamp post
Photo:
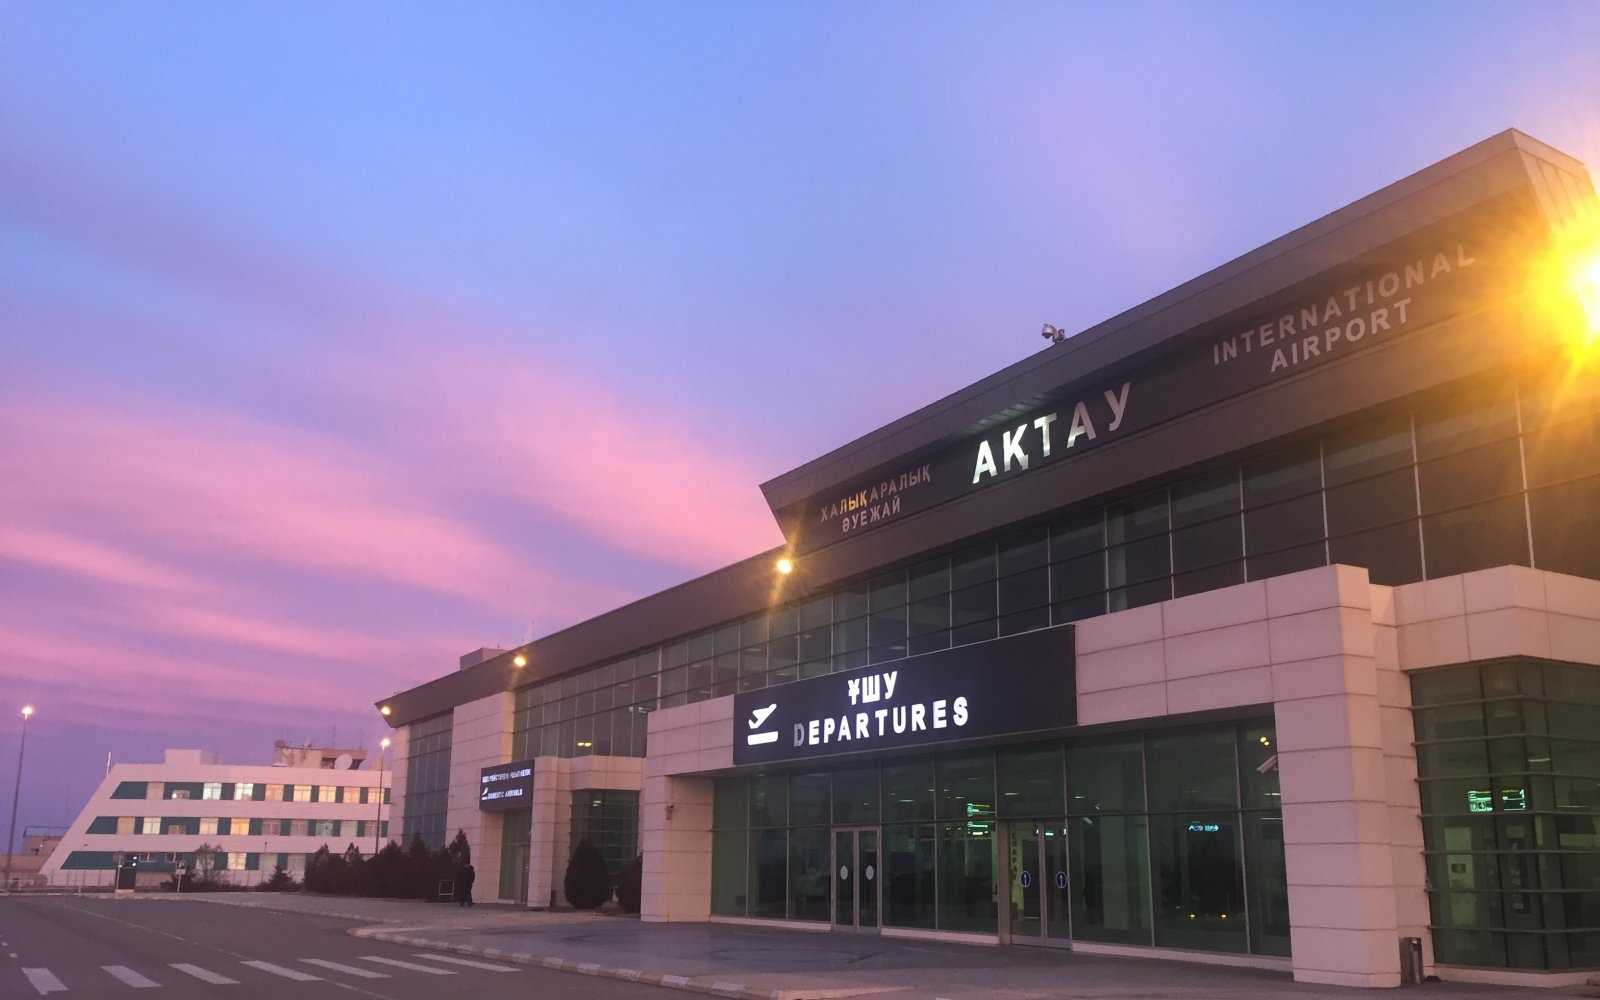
(377, 823)
(16, 792)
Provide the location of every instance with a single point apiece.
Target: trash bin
(1411, 960)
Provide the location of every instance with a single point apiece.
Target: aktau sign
(506, 787)
(1401, 289)
(1020, 684)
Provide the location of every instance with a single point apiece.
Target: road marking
(409, 966)
(44, 981)
(130, 977)
(351, 969)
(204, 975)
(287, 973)
(467, 962)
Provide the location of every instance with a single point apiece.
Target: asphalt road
(155, 949)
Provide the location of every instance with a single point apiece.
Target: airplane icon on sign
(757, 718)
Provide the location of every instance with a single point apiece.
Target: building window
(236, 861)
(126, 825)
(130, 790)
(324, 828)
(211, 790)
(208, 825)
(302, 793)
(610, 820)
(325, 793)
(274, 793)
(151, 825)
(1508, 762)
(428, 781)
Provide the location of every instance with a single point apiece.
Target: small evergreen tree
(630, 884)
(318, 872)
(279, 881)
(418, 870)
(460, 851)
(588, 884)
(386, 872)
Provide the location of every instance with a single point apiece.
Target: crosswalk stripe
(204, 975)
(408, 966)
(351, 969)
(467, 962)
(287, 973)
(44, 981)
(130, 977)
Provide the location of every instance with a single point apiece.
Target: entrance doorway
(856, 879)
(1037, 886)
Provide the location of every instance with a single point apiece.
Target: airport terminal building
(1257, 625)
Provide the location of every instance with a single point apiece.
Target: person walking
(464, 880)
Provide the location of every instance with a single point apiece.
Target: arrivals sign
(506, 787)
(1447, 270)
(1019, 684)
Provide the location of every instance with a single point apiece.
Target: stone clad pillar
(1337, 832)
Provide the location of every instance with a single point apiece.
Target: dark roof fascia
(1451, 185)
(727, 594)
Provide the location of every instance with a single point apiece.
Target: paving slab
(762, 963)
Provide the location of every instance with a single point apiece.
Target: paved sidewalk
(759, 963)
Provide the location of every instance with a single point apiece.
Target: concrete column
(480, 738)
(551, 829)
(675, 831)
(1336, 818)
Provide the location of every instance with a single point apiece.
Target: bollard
(1411, 960)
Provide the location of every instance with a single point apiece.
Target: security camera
(1052, 333)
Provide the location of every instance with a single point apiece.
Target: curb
(716, 988)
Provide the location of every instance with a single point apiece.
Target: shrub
(588, 884)
(630, 884)
(279, 881)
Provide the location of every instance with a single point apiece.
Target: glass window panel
(1212, 578)
(1372, 502)
(1199, 886)
(769, 800)
(783, 656)
(855, 794)
(966, 786)
(1192, 769)
(1141, 518)
(908, 790)
(909, 876)
(973, 604)
(1465, 421)
(752, 662)
(929, 579)
(886, 632)
(1205, 498)
(1024, 591)
(1564, 539)
(1106, 776)
(1377, 448)
(1491, 534)
(1572, 683)
(888, 592)
(1139, 561)
(1024, 621)
(1139, 594)
(1284, 525)
(966, 885)
(1206, 544)
(784, 621)
(1280, 477)
(1286, 561)
(810, 873)
(1031, 781)
(730, 870)
(1078, 576)
(809, 798)
(849, 636)
(1023, 552)
(1480, 474)
(1267, 876)
(850, 602)
(1392, 555)
(975, 565)
(752, 631)
(1110, 880)
(816, 644)
(1258, 749)
(1078, 609)
(1078, 535)
(1563, 451)
(768, 882)
(816, 613)
(928, 643)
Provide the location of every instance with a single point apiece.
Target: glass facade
(427, 781)
(1488, 476)
(610, 819)
(516, 837)
(1174, 838)
(1508, 759)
